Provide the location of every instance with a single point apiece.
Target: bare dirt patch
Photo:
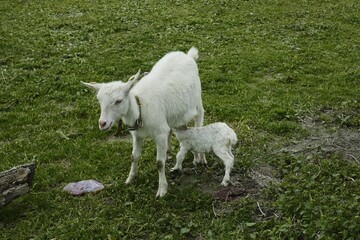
(325, 140)
(243, 184)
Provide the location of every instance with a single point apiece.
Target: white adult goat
(169, 96)
(218, 137)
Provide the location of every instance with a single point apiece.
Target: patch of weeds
(279, 114)
(346, 114)
(289, 80)
(349, 114)
(317, 199)
(284, 128)
(284, 163)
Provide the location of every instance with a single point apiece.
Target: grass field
(284, 74)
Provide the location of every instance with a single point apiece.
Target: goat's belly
(201, 149)
(196, 145)
(181, 120)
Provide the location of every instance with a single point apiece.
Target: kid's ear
(95, 86)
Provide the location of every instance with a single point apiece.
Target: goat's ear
(95, 86)
(132, 81)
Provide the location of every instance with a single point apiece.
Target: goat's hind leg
(228, 160)
(135, 156)
(199, 158)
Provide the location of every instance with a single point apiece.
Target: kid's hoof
(175, 170)
(129, 180)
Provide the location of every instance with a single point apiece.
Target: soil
(326, 140)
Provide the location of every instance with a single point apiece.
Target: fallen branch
(16, 182)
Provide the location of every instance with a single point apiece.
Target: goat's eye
(118, 102)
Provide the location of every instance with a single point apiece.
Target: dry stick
(227, 196)
(350, 155)
(215, 214)
(350, 178)
(262, 213)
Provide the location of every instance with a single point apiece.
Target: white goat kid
(169, 96)
(218, 137)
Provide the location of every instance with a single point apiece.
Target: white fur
(170, 96)
(218, 137)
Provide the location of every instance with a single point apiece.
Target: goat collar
(138, 122)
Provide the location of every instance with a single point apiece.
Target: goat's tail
(193, 53)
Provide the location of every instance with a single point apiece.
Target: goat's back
(171, 91)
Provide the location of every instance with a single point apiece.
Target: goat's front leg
(135, 156)
(162, 147)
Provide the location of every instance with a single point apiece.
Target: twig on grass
(227, 196)
(356, 160)
(262, 213)
(215, 214)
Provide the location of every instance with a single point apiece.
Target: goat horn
(136, 76)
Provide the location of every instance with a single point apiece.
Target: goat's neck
(133, 112)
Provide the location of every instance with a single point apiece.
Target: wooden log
(16, 182)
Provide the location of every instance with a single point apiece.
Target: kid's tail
(233, 140)
(193, 53)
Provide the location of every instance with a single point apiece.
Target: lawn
(284, 74)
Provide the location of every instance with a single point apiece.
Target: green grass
(264, 65)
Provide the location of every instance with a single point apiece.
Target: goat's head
(113, 99)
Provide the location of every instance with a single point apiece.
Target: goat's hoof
(175, 170)
(129, 180)
(160, 193)
(225, 183)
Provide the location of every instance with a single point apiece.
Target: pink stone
(82, 187)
